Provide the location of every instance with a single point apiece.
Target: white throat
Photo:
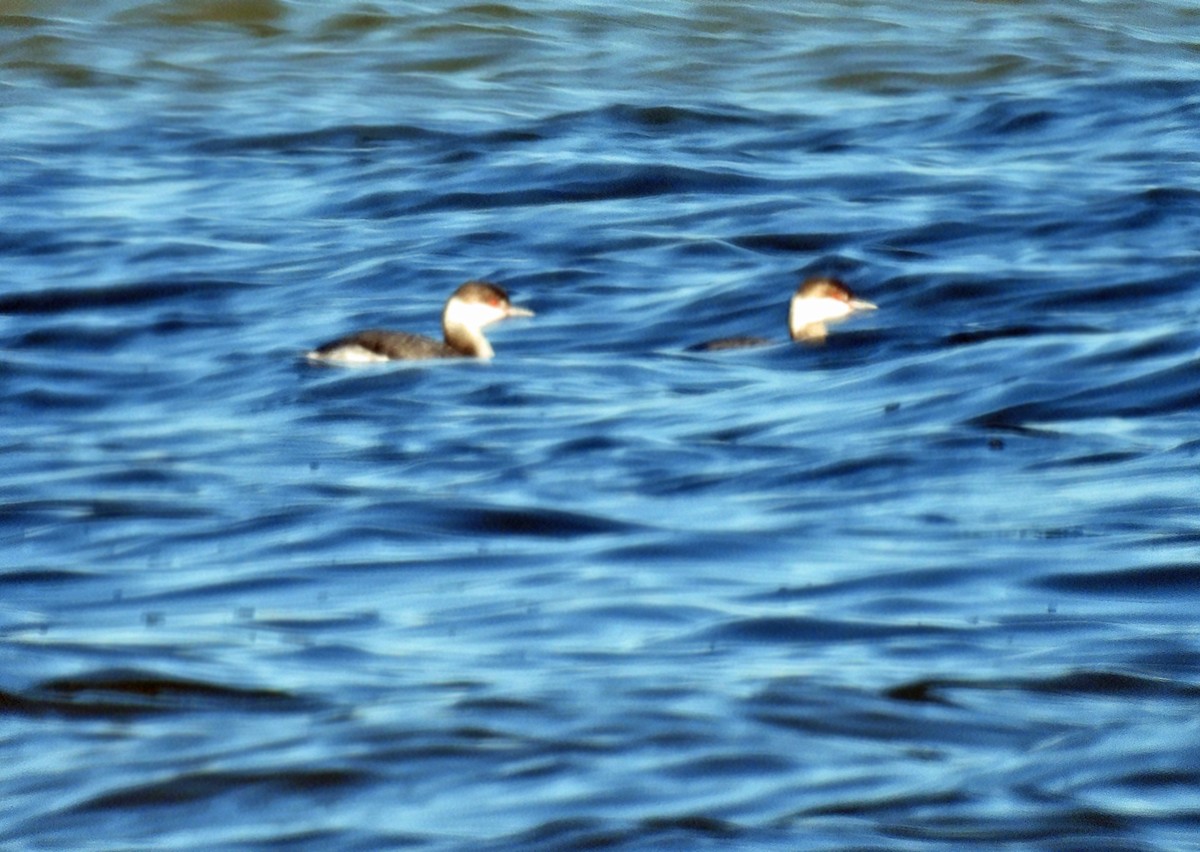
(462, 324)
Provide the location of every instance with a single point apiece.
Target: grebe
(469, 309)
(816, 302)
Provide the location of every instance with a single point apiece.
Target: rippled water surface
(932, 584)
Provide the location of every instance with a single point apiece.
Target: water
(930, 585)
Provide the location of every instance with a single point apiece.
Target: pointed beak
(862, 305)
(514, 311)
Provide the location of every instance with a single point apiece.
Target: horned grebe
(469, 309)
(816, 302)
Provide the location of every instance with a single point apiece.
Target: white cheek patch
(807, 311)
(472, 314)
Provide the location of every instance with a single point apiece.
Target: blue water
(933, 584)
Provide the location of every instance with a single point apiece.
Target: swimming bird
(816, 302)
(469, 309)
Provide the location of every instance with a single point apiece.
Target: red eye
(494, 301)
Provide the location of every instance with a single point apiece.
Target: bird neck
(813, 332)
(807, 317)
(462, 336)
(468, 341)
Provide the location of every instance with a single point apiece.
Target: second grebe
(816, 302)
